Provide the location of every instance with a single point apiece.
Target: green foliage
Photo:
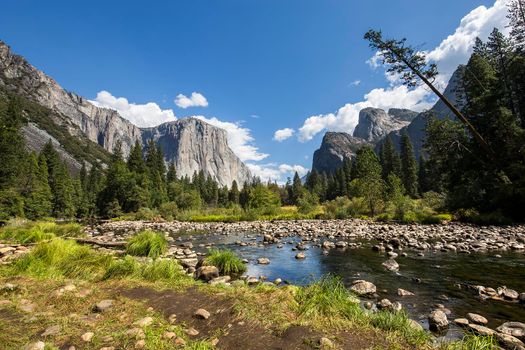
(409, 172)
(368, 182)
(122, 268)
(62, 258)
(168, 210)
(472, 342)
(327, 297)
(156, 270)
(263, 201)
(307, 202)
(147, 243)
(146, 214)
(226, 261)
(161, 269)
(189, 200)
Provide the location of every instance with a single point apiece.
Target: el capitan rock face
(191, 143)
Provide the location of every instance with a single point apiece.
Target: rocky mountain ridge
(200, 147)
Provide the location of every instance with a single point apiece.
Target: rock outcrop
(375, 123)
(336, 146)
(191, 143)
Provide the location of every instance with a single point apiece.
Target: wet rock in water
(391, 265)
(207, 273)
(378, 248)
(341, 244)
(277, 281)
(325, 343)
(510, 294)
(462, 322)
(478, 319)
(202, 314)
(51, 330)
(252, 280)
(437, 320)
(39, 345)
(521, 298)
(220, 280)
(516, 329)
(509, 342)
(87, 336)
(480, 330)
(396, 306)
(263, 261)
(404, 293)
(328, 245)
(392, 255)
(384, 304)
(368, 305)
(300, 256)
(103, 305)
(362, 287)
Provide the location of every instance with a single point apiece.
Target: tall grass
(399, 322)
(31, 232)
(471, 342)
(129, 267)
(327, 298)
(226, 261)
(62, 258)
(147, 243)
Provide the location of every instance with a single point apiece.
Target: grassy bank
(41, 279)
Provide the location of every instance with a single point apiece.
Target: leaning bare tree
(411, 64)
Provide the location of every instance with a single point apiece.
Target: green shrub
(168, 210)
(327, 298)
(263, 200)
(307, 202)
(337, 208)
(62, 258)
(147, 243)
(473, 216)
(226, 261)
(146, 214)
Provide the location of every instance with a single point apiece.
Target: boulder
(263, 261)
(300, 256)
(462, 322)
(481, 330)
(403, 292)
(362, 287)
(103, 305)
(207, 273)
(516, 329)
(437, 320)
(509, 342)
(391, 265)
(478, 319)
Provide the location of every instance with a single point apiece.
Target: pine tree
(37, 193)
(297, 188)
(12, 149)
(390, 161)
(172, 173)
(408, 166)
(136, 160)
(516, 18)
(368, 182)
(233, 195)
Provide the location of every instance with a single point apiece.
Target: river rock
(300, 256)
(384, 304)
(516, 329)
(328, 245)
(341, 244)
(202, 314)
(263, 261)
(103, 305)
(437, 320)
(219, 280)
(391, 265)
(480, 330)
(87, 336)
(207, 273)
(509, 342)
(478, 319)
(362, 287)
(403, 292)
(462, 322)
(415, 325)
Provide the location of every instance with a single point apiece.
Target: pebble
(87, 336)
(202, 314)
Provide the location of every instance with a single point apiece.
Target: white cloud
(450, 53)
(240, 139)
(273, 172)
(355, 83)
(143, 115)
(283, 134)
(195, 100)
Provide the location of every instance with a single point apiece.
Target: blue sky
(256, 66)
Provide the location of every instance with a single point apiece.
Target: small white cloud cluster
(283, 134)
(143, 115)
(195, 100)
